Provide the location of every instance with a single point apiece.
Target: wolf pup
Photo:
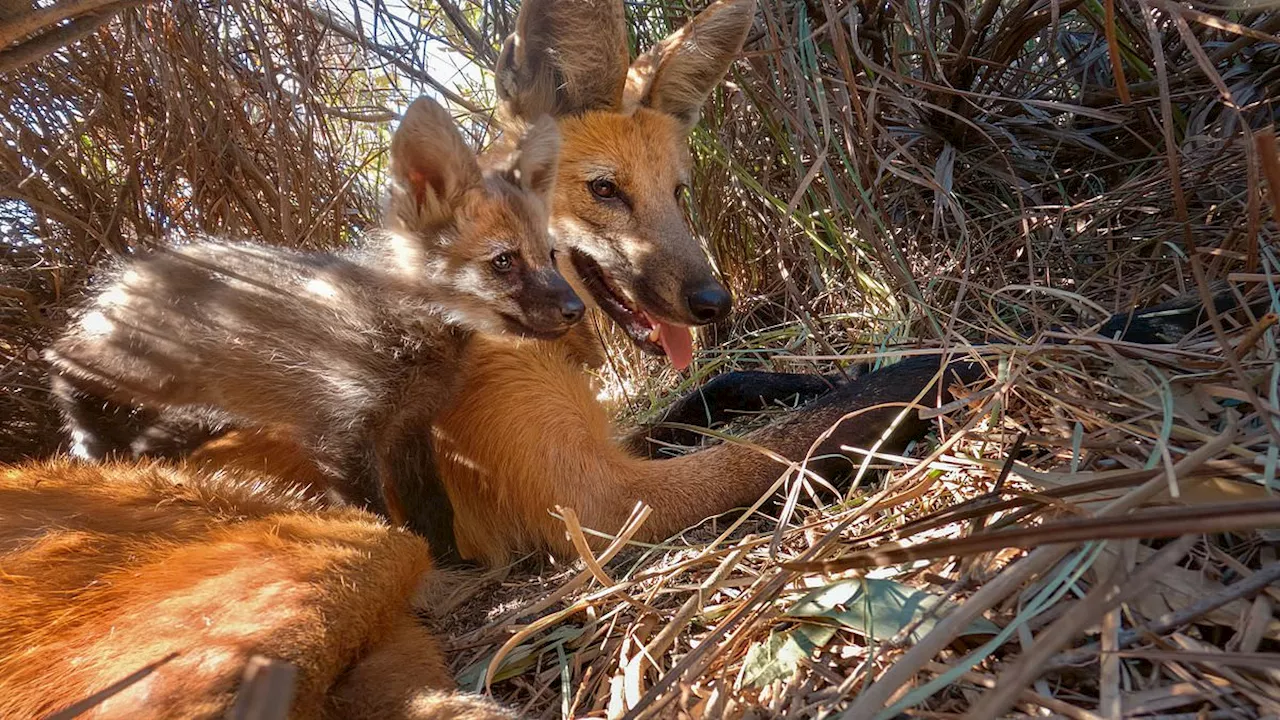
(354, 353)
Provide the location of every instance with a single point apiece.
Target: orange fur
(266, 451)
(106, 569)
(530, 436)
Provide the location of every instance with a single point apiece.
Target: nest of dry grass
(877, 180)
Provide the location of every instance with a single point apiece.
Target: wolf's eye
(503, 262)
(680, 190)
(603, 188)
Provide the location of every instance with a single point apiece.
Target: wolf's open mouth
(633, 321)
(650, 333)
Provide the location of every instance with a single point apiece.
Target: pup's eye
(503, 262)
(680, 190)
(553, 256)
(603, 188)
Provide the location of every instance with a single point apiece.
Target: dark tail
(734, 393)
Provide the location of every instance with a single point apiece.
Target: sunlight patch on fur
(96, 323)
(322, 288)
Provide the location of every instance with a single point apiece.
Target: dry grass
(716, 624)
(877, 179)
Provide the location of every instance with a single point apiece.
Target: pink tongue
(678, 342)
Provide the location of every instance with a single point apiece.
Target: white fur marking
(78, 447)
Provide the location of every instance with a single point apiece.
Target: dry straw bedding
(876, 180)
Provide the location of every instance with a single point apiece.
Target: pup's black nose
(571, 308)
(553, 304)
(708, 302)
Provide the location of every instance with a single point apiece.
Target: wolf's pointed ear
(536, 158)
(676, 75)
(431, 165)
(565, 57)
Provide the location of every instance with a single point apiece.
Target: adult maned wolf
(526, 433)
(110, 569)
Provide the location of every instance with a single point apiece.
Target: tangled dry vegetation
(878, 180)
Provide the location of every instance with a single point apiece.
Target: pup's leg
(348, 460)
(413, 489)
(173, 434)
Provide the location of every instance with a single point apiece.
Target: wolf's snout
(708, 302)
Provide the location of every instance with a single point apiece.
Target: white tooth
(654, 335)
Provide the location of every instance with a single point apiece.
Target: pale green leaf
(880, 609)
(778, 656)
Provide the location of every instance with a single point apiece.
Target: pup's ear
(431, 165)
(536, 158)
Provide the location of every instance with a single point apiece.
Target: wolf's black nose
(708, 302)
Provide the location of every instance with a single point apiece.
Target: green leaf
(778, 656)
(880, 609)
